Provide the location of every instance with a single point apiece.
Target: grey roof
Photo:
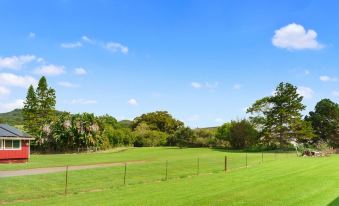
(9, 131)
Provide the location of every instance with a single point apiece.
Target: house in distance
(14, 145)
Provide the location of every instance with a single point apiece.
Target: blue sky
(203, 61)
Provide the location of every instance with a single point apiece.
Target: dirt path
(37, 171)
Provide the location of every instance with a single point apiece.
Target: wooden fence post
(66, 180)
(225, 168)
(125, 173)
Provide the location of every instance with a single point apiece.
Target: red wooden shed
(14, 145)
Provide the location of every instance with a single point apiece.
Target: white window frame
(1, 144)
(4, 146)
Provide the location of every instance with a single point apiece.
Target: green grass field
(282, 179)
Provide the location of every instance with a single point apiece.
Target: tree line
(274, 121)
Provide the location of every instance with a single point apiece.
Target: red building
(14, 145)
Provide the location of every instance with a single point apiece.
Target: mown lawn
(117, 155)
(282, 179)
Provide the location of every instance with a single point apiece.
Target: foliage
(39, 110)
(119, 137)
(184, 137)
(204, 138)
(160, 121)
(126, 123)
(278, 117)
(70, 132)
(325, 122)
(223, 132)
(145, 137)
(30, 112)
(242, 134)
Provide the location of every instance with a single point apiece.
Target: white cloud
(306, 92)
(16, 62)
(9, 79)
(4, 91)
(83, 101)
(328, 79)
(6, 107)
(68, 84)
(295, 37)
(71, 45)
(80, 71)
(207, 85)
(86, 39)
(237, 86)
(133, 102)
(31, 35)
(50, 70)
(116, 47)
(196, 85)
(335, 93)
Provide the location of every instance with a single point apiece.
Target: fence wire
(69, 182)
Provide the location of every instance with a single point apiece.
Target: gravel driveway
(37, 171)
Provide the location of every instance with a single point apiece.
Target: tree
(325, 122)
(205, 137)
(184, 137)
(303, 131)
(242, 134)
(223, 132)
(30, 112)
(46, 101)
(276, 116)
(145, 137)
(39, 112)
(160, 121)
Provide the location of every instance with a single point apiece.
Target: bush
(149, 138)
(242, 134)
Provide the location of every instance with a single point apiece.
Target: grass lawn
(281, 180)
(118, 155)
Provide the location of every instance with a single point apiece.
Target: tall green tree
(46, 101)
(30, 112)
(276, 116)
(39, 112)
(325, 122)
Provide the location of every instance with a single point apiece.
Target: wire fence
(74, 179)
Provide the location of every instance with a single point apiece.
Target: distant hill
(126, 123)
(12, 118)
(15, 118)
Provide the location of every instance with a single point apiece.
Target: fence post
(198, 166)
(246, 159)
(225, 168)
(66, 180)
(125, 173)
(262, 157)
(166, 170)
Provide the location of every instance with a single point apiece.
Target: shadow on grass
(334, 202)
